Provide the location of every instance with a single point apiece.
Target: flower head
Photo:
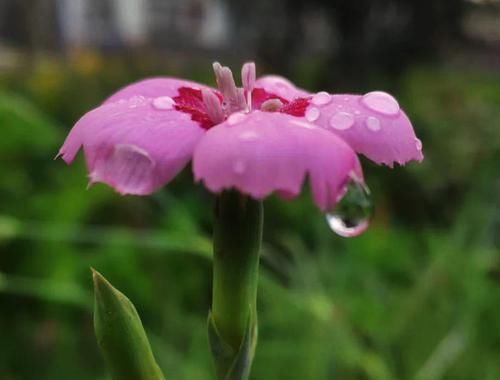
(264, 137)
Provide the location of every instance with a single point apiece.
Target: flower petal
(281, 86)
(263, 152)
(132, 145)
(126, 167)
(372, 124)
(153, 88)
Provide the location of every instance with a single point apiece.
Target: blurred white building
(113, 23)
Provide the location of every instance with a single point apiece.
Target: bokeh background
(416, 297)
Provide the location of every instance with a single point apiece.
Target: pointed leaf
(121, 336)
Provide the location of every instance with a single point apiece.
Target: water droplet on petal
(136, 101)
(164, 103)
(342, 120)
(239, 166)
(381, 102)
(418, 144)
(351, 215)
(372, 123)
(321, 98)
(249, 136)
(236, 118)
(302, 124)
(312, 114)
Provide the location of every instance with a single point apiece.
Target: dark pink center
(190, 101)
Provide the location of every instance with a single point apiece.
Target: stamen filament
(248, 76)
(213, 106)
(234, 97)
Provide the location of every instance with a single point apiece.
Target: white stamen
(248, 81)
(248, 76)
(233, 98)
(217, 69)
(212, 106)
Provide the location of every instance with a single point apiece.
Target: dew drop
(236, 118)
(418, 144)
(351, 215)
(136, 101)
(312, 114)
(342, 120)
(302, 124)
(321, 98)
(249, 136)
(372, 123)
(381, 102)
(239, 166)
(163, 103)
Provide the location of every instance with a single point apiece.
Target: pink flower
(265, 137)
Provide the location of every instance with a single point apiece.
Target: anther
(248, 81)
(212, 106)
(271, 105)
(234, 99)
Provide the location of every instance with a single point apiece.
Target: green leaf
(231, 365)
(121, 336)
(25, 128)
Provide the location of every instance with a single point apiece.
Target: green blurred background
(416, 297)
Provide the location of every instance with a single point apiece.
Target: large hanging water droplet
(381, 102)
(351, 215)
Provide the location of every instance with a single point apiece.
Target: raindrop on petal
(236, 118)
(381, 102)
(302, 124)
(351, 215)
(418, 144)
(163, 103)
(342, 120)
(312, 114)
(239, 166)
(321, 98)
(249, 136)
(136, 100)
(372, 123)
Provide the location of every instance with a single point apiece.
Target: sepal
(229, 364)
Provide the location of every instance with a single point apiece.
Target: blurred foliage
(415, 297)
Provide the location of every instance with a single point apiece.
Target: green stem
(237, 242)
